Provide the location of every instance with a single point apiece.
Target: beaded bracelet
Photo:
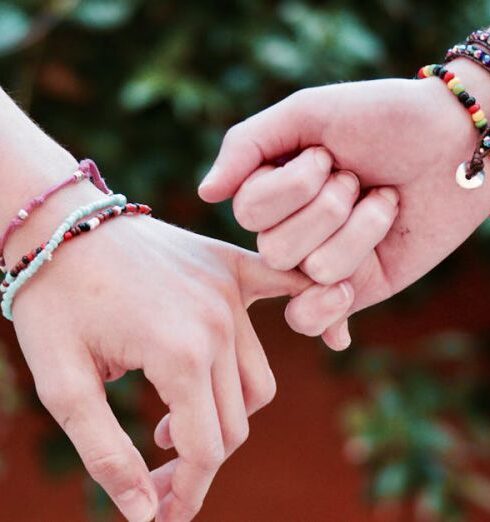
(481, 38)
(87, 169)
(454, 85)
(469, 174)
(470, 51)
(131, 209)
(52, 245)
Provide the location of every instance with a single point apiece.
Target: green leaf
(145, 89)
(104, 14)
(14, 26)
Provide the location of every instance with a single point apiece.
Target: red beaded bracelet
(130, 209)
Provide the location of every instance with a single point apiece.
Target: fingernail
(322, 159)
(390, 194)
(136, 506)
(166, 445)
(210, 176)
(343, 334)
(345, 290)
(349, 180)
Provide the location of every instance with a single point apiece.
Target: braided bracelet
(87, 169)
(52, 245)
(469, 174)
(131, 209)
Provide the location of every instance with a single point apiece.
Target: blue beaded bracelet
(52, 245)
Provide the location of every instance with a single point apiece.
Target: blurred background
(395, 429)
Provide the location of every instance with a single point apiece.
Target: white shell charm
(475, 182)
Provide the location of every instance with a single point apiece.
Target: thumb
(266, 136)
(259, 281)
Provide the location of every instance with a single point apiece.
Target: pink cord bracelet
(87, 169)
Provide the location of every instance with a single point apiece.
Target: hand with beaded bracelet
(410, 135)
(134, 293)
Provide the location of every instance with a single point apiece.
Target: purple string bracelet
(87, 169)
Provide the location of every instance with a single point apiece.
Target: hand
(138, 293)
(408, 134)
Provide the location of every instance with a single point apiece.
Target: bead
(67, 236)
(442, 72)
(427, 71)
(478, 115)
(464, 96)
(457, 89)
(474, 108)
(436, 71)
(486, 59)
(93, 223)
(421, 73)
(472, 183)
(452, 82)
(448, 76)
(481, 124)
(22, 214)
(84, 227)
(469, 102)
(78, 175)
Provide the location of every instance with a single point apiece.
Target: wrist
(475, 79)
(451, 118)
(46, 218)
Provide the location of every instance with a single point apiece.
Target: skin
(79, 325)
(406, 136)
(136, 293)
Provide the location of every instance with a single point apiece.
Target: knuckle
(336, 209)
(218, 322)
(265, 393)
(314, 268)
(377, 216)
(233, 134)
(111, 466)
(244, 211)
(302, 186)
(238, 436)
(210, 458)
(193, 358)
(297, 98)
(274, 250)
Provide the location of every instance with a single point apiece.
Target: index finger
(77, 401)
(267, 135)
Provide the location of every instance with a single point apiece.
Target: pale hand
(408, 134)
(138, 293)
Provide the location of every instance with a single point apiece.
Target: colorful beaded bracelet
(482, 37)
(87, 169)
(454, 85)
(470, 51)
(52, 245)
(469, 174)
(131, 209)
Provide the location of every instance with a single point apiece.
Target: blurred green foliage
(423, 426)
(148, 88)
